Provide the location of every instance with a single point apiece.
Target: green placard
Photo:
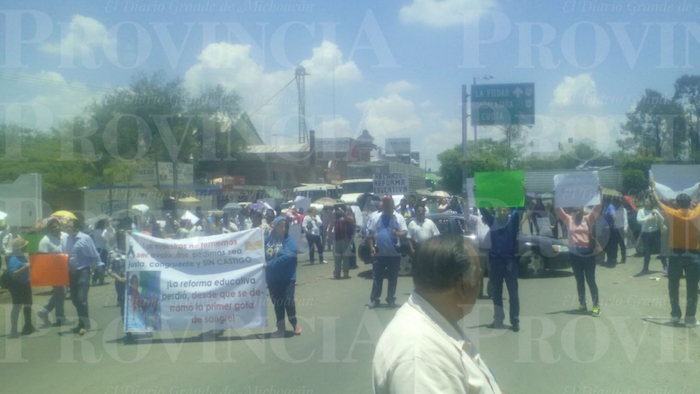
(33, 240)
(499, 189)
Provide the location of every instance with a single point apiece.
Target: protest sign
(48, 270)
(673, 179)
(576, 189)
(301, 202)
(391, 184)
(299, 238)
(499, 189)
(202, 282)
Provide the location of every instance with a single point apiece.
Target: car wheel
(533, 264)
(405, 266)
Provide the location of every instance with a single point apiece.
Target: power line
(271, 98)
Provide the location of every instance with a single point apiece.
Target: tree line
(154, 119)
(657, 129)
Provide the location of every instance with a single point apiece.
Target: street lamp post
(476, 139)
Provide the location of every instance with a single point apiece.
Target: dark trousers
(21, 294)
(583, 265)
(79, 287)
(621, 239)
(99, 273)
(650, 241)
(385, 267)
(611, 248)
(120, 287)
(318, 242)
(500, 270)
(690, 263)
(282, 296)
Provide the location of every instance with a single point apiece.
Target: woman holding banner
(281, 274)
(581, 251)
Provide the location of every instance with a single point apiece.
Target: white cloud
(46, 98)
(443, 13)
(232, 66)
(326, 63)
(84, 34)
(426, 104)
(577, 91)
(399, 87)
(335, 128)
(389, 116)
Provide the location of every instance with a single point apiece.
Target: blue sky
(395, 68)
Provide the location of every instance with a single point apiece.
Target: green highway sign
(503, 104)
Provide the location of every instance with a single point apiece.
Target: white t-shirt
(621, 218)
(421, 352)
(421, 232)
(98, 239)
(315, 223)
(51, 244)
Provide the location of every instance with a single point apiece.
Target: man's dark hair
(256, 215)
(683, 201)
(443, 261)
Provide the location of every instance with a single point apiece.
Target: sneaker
(665, 271)
(336, 276)
(392, 305)
(675, 320)
(643, 273)
(44, 317)
(373, 304)
(277, 334)
(596, 310)
(323, 262)
(297, 330)
(27, 330)
(515, 327)
(346, 275)
(495, 325)
(60, 321)
(582, 308)
(691, 321)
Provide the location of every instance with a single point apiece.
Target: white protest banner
(576, 189)
(302, 203)
(391, 184)
(213, 282)
(673, 179)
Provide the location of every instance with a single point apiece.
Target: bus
(354, 188)
(315, 191)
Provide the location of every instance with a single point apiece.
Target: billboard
(503, 104)
(397, 146)
(146, 174)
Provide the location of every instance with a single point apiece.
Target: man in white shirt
(651, 221)
(51, 243)
(421, 229)
(424, 349)
(384, 241)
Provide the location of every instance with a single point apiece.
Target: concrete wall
(22, 201)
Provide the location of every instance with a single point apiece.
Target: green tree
(658, 124)
(687, 94)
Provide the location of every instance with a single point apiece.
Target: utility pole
(464, 121)
(476, 139)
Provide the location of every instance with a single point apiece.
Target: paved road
(556, 351)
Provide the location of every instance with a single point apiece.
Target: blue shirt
(609, 213)
(81, 251)
(384, 241)
(16, 262)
